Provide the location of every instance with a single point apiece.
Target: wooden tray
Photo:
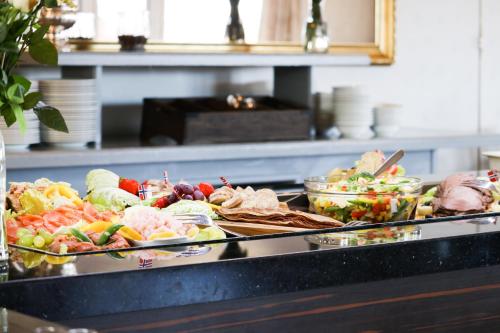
(254, 229)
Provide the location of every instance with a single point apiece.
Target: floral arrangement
(21, 32)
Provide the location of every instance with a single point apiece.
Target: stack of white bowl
(353, 113)
(13, 137)
(388, 120)
(78, 102)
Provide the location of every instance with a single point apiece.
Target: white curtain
(283, 20)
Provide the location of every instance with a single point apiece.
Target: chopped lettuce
(191, 207)
(100, 178)
(429, 196)
(34, 202)
(366, 175)
(112, 198)
(401, 171)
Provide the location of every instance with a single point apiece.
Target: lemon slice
(58, 260)
(163, 235)
(129, 233)
(99, 226)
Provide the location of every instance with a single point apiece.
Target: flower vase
(316, 32)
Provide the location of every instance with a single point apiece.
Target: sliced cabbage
(191, 207)
(100, 178)
(34, 202)
(112, 198)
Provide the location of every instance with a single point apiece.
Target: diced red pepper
(358, 214)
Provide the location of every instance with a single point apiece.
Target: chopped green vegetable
(106, 235)
(365, 175)
(80, 236)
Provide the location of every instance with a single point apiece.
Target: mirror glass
(205, 21)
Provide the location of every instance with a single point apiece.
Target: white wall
(436, 74)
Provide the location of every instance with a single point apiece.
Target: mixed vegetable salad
(356, 195)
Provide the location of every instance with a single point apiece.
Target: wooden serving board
(253, 229)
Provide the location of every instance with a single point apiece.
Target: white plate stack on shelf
(353, 112)
(14, 139)
(388, 120)
(78, 102)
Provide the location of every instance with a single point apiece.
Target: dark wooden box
(211, 120)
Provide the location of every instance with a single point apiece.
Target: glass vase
(316, 32)
(4, 254)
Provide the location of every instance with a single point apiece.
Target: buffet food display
(119, 213)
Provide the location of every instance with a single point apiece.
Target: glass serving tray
(199, 246)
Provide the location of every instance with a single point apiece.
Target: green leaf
(3, 31)
(31, 100)
(8, 115)
(44, 52)
(52, 118)
(22, 81)
(9, 47)
(39, 34)
(50, 3)
(19, 27)
(4, 78)
(15, 93)
(19, 114)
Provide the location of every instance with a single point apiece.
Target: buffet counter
(281, 276)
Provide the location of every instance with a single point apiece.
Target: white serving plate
(166, 241)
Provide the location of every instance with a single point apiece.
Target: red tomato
(393, 169)
(161, 202)
(129, 185)
(206, 189)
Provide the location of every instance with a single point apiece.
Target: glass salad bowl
(362, 199)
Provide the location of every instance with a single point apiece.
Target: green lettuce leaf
(112, 198)
(101, 178)
(191, 207)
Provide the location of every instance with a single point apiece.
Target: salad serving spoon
(393, 159)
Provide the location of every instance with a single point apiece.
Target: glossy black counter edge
(89, 295)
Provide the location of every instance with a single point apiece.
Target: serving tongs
(393, 159)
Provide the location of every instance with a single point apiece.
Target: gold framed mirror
(271, 26)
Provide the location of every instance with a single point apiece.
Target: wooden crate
(211, 120)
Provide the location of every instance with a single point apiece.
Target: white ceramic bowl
(387, 131)
(356, 132)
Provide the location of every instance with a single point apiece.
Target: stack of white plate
(13, 137)
(353, 113)
(78, 102)
(16, 140)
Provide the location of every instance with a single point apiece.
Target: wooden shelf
(147, 59)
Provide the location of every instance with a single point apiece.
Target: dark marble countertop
(100, 285)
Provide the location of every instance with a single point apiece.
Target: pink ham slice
(454, 197)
